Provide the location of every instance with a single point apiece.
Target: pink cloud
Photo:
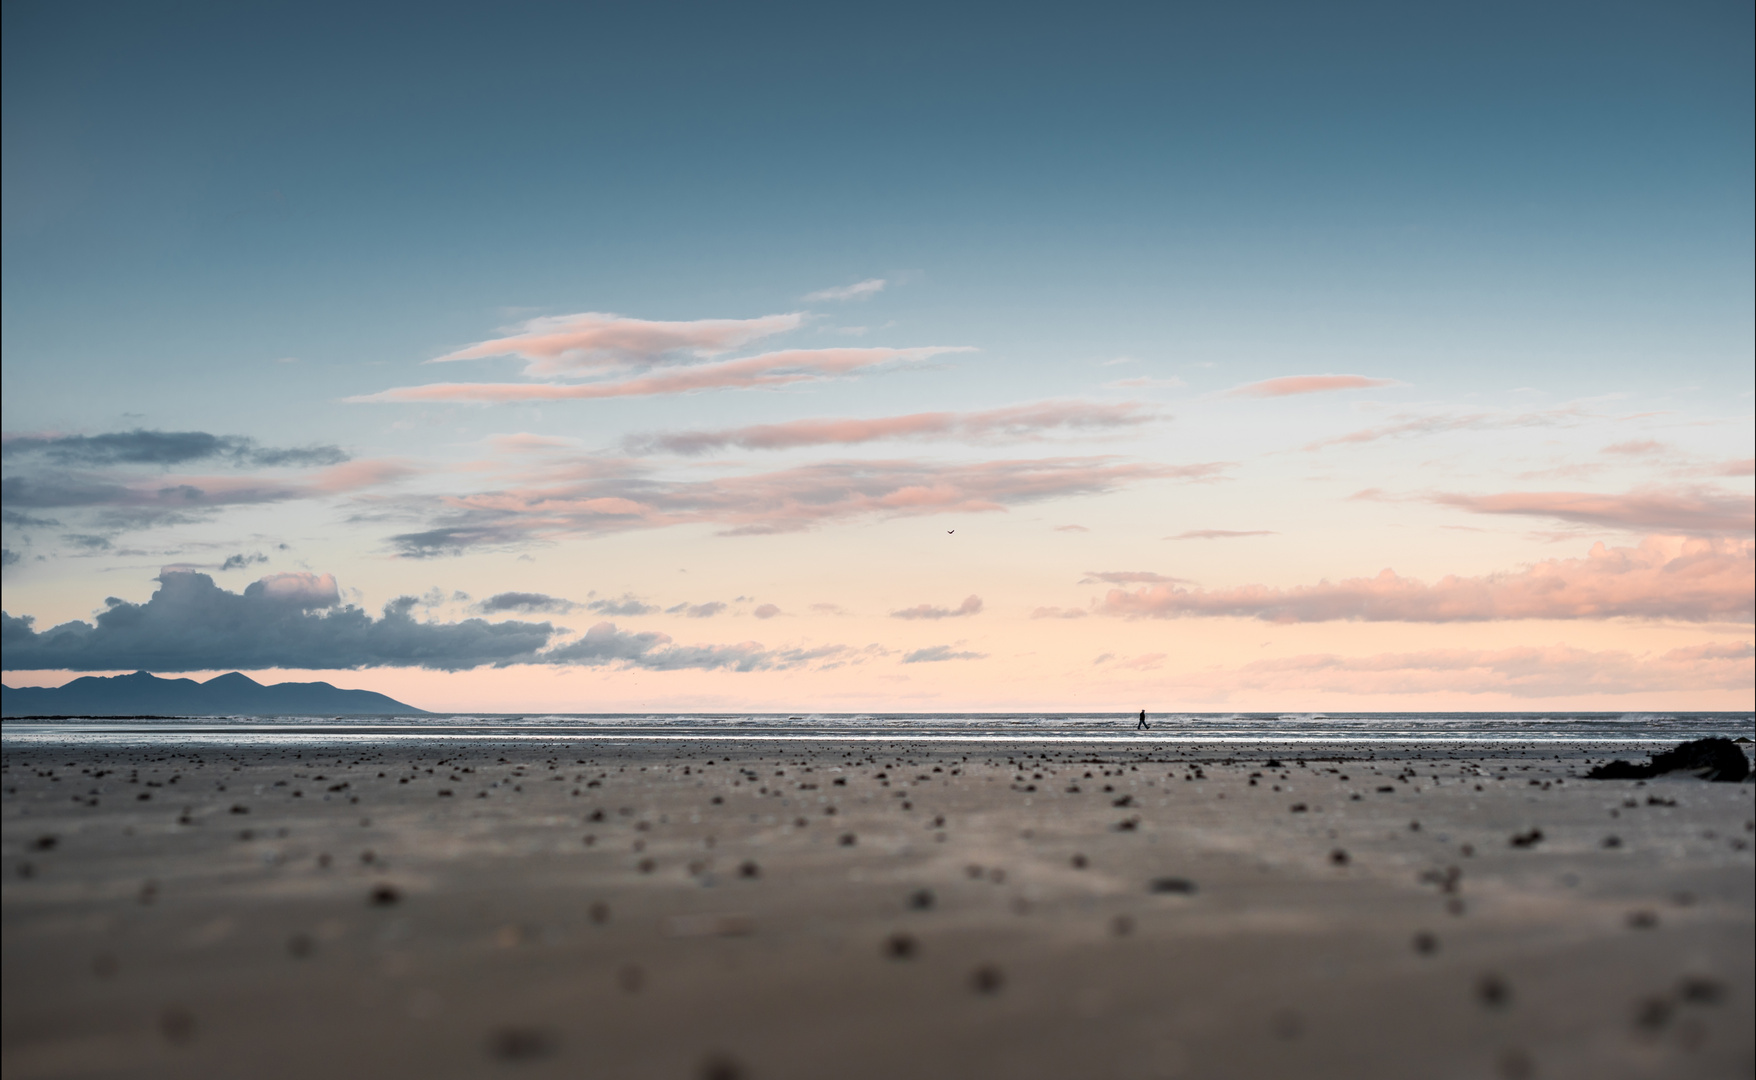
(766, 611)
(593, 340)
(1306, 384)
(1693, 580)
(1072, 528)
(1693, 511)
(1127, 577)
(767, 370)
(1636, 447)
(1736, 467)
(1530, 672)
(600, 500)
(1220, 534)
(303, 589)
(972, 605)
(1020, 421)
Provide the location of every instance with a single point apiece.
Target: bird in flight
(948, 532)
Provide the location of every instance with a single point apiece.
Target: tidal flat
(704, 909)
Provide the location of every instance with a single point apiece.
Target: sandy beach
(697, 909)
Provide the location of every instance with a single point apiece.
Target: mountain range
(142, 694)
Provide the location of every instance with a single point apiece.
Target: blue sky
(230, 218)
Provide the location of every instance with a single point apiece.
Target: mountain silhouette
(142, 694)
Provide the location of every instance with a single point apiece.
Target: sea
(1012, 727)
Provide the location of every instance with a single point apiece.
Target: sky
(705, 357)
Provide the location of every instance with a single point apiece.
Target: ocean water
(1046, 727)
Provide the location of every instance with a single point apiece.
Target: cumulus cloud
(297, 620)
(601, 500)
(697, 611)
(592, 341)
(1691, 580)
(1016, 422)
(972, 605)
(282, 621)
(935, 653)
(1220, 534)
(1526, 671)
(766, 611)
(859, 290)
(1694, 511)
(768, 370)
(525, 602)
(163, 448)
(627, 605)
(1306, 384)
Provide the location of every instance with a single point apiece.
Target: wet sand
(776, 910)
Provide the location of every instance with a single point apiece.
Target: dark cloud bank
(298, 621)
(164, 448)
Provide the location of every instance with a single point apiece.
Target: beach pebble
(986, 979)
(177, 1026)
(1182, 886)
(721, 1067)
(1493, 992)
(521, 1043)
(1698, 990)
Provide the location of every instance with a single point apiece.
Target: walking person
(1143, 725)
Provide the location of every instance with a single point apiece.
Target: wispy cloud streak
(768, 370)
(1525, 672)
(972, 605)
(606, 501)
(1696, 580)
(1289, 385)
(1015, 422)
(859, 290)
(1700, 511)
(593, 341)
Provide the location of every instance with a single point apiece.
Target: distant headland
(143, 694)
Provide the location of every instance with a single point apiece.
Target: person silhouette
(1143, 725)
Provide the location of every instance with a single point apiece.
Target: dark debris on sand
(1716, 759)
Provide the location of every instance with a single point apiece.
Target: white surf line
(257, 735)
